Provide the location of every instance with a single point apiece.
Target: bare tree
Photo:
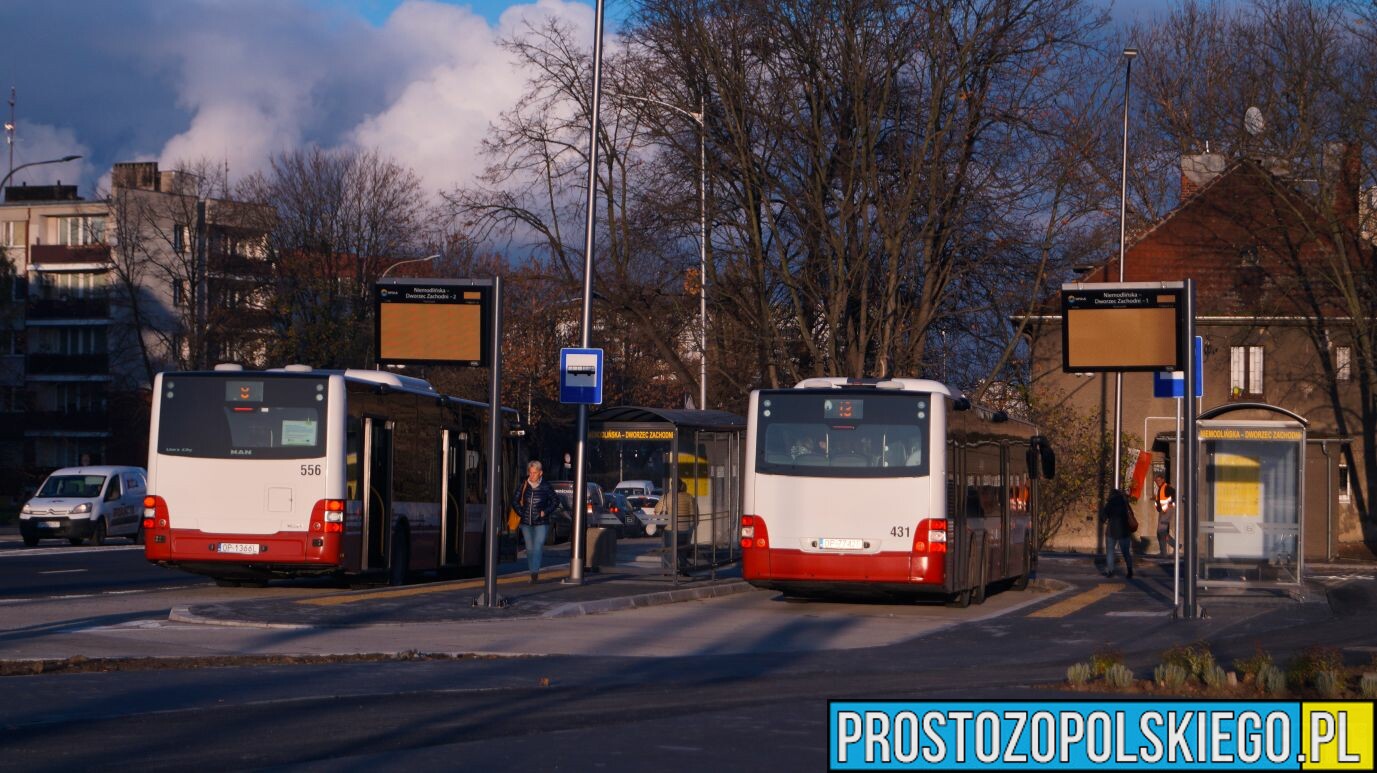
(335, 220)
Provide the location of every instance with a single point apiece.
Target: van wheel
(31, 541)
(401, 556)
(98, 536)
(75, 540)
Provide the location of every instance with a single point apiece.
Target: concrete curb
(185, 615)
(616, 604)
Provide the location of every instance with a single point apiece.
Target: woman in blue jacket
(535, 502)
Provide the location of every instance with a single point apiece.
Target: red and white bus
(892, 486)
(292, 472)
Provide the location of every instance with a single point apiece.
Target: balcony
(68, 364)
(76, 421)
(68, 308)
(62, 254)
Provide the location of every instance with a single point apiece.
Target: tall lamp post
(62, 160)
(1129, 55)
(404, 262)
(699, 118)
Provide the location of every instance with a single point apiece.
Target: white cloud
(41, 142)
(436, 123)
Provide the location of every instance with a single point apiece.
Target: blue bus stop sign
(580, 376)
(1173, 383)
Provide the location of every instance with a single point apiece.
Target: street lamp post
(1129, 54)
(404, 262)
(700, 118)
(62, 160)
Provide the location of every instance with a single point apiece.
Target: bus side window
(952, 458)
(352, 451)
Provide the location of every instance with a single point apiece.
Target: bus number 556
(310, 470)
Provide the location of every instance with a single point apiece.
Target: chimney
(1198, 170)
(1343, 162)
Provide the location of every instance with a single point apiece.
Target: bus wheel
(401, 556)
(978, 592)
(960, 599)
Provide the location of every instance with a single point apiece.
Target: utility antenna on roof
(1253, 121)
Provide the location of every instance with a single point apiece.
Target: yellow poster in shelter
(1237, 486)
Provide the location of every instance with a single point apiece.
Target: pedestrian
(687, 516)
(535, 502)
(1164, 499)
(1118, 518)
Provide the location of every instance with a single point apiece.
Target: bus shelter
(1250, 525)
(694, 460)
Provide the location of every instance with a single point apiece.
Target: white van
(92, 502)
(633, 488)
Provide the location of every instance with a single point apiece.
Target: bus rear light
(334, 528)
(920, 546)
(150, 502)
(937, 536)
(333, 506)
(938, 547)
(334, 517)
(328, 516)
(930, 536)
(148, 522)
(753, 532)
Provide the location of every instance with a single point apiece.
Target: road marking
(67, 551)
(1079, 601)
(94, 595)
(420, 590)
(1138, 613)
(64, 571)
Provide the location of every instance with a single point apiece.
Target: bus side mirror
(1033, 460)
(1049, 459)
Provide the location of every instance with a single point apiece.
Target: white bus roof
(897, 384)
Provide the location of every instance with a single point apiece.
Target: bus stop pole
(1188, 458)
(577, 539)
(490, 598)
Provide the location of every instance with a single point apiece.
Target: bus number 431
(901, 531)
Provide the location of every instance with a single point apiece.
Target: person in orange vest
(1164, 500)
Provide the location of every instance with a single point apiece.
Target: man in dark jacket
(535, 502)
(1115, 516)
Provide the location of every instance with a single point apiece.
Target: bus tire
(981, 586)
(98, 534)
(401, 556)
(960, 599)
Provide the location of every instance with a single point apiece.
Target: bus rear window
(266, 418)
(868, 435)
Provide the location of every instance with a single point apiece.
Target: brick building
(1249, 237)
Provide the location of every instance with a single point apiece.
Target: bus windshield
(244, 417)
(843, 434)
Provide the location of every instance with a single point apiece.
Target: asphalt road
(760, 706)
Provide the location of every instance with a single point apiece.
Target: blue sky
(237, 81)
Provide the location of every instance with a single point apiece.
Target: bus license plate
(832, 543)
(239, 547)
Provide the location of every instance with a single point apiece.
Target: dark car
(629, 524)
(595, 508)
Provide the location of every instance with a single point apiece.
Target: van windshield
(78, 486)
(244, 416)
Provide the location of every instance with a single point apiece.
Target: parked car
(645, 513)
(80, 503)
(633, 488)
(595, 508)
(629, 523)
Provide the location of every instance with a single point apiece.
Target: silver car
(91, 502)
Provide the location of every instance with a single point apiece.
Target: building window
(13, 233)
(61, 285)
(11, 399)
(179, 239)
(1245, 371)
(1343, 363)
(177, 292)
(68, 340)
(1344, 496)
(11, 342)
(78, 230)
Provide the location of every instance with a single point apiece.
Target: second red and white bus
(892, 486)
(261, 474)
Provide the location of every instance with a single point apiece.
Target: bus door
(453, 451)
(377, 483)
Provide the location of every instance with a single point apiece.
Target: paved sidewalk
(634, 581)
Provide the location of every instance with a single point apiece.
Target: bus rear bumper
(281, 554)
(795, 570)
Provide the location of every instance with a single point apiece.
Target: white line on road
(93, 595)
(68, 551)
(64, 571)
